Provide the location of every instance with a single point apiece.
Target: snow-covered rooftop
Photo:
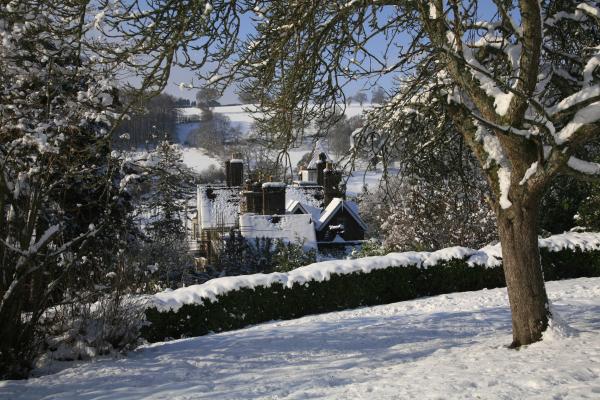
(218, 206)
(305, 195)
(296, 228)
(294, 205)
(274, 185)
(315, 160)
(336, 205)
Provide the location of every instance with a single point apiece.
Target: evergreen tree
(60, 195)
(234, 258)
(169, 189)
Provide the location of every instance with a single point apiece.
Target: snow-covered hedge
(234, 302)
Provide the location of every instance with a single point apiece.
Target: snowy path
(449, 346)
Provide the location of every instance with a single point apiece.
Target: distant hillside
(241, 115)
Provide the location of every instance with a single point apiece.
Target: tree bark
(517, 228)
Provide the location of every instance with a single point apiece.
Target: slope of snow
(183, 131)
(241, 115)
(443, 347)
(294, 228)
(359, 179)
(198, 160)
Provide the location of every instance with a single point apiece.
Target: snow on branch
(487, 82)
(493, 148)
(529, 173)
(587, 115)
(580, 166)
(575, 99)
(34, 247)
(583, 11)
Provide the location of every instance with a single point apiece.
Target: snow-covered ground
(198, 160)
(443, 347)
(241, 115)
(361, 178)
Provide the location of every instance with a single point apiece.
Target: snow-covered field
(241, 117)
(361, 179)
(198, 160)
(450, 346)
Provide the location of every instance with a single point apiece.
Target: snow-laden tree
(360, 97)
(519, 79)
(207, 97)
(170, 186)
(438, 196)
(58, 184)
(64, 209)
(411, 213)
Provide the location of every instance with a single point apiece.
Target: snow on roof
(319, 149)
(274, 185)
(305, 195)
(294, 205)
(335, 206)
(295, 228)
(218, 206)
(322, 271)
(315, 160)
(308, 184)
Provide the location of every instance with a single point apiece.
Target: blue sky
(179, 75)
(485, 10)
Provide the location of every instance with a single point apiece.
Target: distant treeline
(152, 122)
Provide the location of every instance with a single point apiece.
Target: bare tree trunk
(517, 228)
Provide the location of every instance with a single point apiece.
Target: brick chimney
(331, 183)
(248, 199)
(236, 170)
(320, 167)
(273, 198)
(257, 198)
(228, 173)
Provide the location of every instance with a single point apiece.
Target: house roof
(337, 205)
(289, 227)
(307, 195)
(319, 148)
(293, 205)
(218, 206)
(315, 160)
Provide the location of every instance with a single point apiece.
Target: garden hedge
(243, 307)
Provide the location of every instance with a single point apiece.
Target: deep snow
(449, 346)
